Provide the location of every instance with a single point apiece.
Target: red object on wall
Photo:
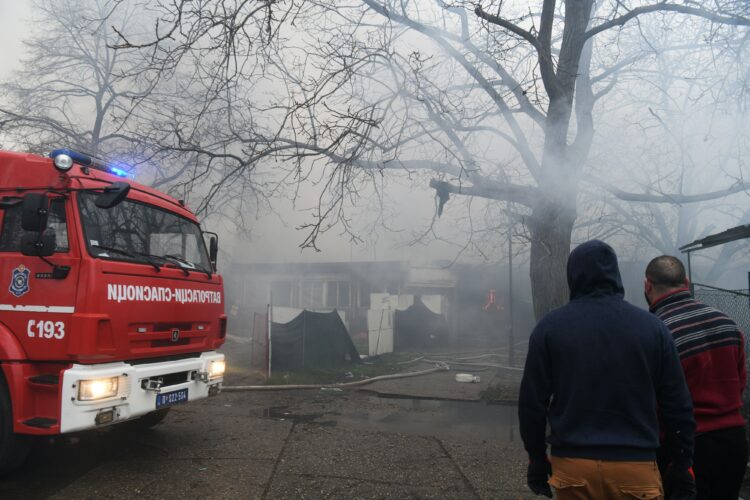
(492, 301)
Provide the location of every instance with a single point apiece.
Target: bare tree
(496, 101)
(687, 116)
(74, 89)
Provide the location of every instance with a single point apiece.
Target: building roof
(733, 234)
(357, 267)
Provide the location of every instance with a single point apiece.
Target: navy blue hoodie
(598, 368)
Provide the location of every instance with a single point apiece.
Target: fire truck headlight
(216, 369)
(99, 388)
(63, 162)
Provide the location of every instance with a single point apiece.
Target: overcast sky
(276, 237)
(13, 13)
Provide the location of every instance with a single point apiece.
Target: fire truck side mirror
(36, 245)
(213, 249)
(112, 195)
(34, 211)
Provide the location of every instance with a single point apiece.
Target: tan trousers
(580, 478)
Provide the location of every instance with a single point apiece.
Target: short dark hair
(666, 271)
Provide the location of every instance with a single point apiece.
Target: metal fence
(734, 303)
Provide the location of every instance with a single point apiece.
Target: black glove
(537, 475)
(679, 483)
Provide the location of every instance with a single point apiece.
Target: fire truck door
(37, 296)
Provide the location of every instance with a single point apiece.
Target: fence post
(304, 337)
(268, 337)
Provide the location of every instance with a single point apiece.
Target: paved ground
(430, 438)
(295, 445)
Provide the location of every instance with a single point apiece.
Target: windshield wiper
(175, 263)
(147, 258)
(186, 264)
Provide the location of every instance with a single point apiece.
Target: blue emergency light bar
(61, 162)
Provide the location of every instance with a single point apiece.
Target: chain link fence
(734, 303)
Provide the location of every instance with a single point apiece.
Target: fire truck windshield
(134, 231)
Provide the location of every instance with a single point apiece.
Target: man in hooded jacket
(597, 370)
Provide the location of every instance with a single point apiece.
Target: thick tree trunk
(551, 226)
(554, 214)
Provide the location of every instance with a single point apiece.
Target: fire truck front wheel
(14, 448)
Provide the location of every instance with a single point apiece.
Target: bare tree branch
(731, 20)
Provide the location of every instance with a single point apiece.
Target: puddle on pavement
(498, 423)
(479, 420)
(284, 413)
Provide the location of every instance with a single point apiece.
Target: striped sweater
(712, 353)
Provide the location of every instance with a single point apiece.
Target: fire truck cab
(110, 306)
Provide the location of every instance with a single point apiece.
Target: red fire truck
(110, 306)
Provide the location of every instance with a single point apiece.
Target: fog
(11, 38)
(340, 135)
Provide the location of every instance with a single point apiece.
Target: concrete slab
(290, 444)
(392, 464)
(496, 470)
(188, 478)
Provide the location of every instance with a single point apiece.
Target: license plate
(171, 398)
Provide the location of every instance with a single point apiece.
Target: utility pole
(511, 341)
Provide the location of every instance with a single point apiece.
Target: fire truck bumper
(97, 395)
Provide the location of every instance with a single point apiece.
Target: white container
(467, 377)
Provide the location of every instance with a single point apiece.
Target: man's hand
(537, 475)
(679, 483)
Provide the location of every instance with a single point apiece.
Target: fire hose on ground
(440, 365)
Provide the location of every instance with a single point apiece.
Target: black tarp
(418, 327)
(311, 341)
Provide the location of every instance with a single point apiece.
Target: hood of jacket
(593, 271)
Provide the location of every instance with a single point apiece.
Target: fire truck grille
(169, 342)
(168, 327)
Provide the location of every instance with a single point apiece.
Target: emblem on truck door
(19, 283)
(175, 335)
